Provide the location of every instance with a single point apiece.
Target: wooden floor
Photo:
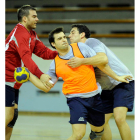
(52, 127)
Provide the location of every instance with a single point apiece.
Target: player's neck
(83, 40)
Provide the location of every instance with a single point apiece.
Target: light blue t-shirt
(106, 82)
(86, 52)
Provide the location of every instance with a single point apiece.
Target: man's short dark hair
(24, 11)
(82, 28)
(55, 31)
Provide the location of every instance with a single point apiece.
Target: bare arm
(107, 70)
(38, 83)
(98, 59)
(44, 78)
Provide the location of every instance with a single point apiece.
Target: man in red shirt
(20, 44)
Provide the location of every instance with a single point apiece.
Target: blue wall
(32, 99)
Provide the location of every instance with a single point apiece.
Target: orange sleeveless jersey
(76, 80)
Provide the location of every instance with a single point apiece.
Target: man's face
(74, 36)
(60, 41)
(31, 20)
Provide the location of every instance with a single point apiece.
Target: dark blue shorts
(83, 110)
(11, 96)
(120, 96)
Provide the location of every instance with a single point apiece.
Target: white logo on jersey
(81, 119)
(13, 102)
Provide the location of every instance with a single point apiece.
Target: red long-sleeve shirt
(20, 44)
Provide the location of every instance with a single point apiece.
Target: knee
(13, 121)
(10, 114)
(96, 135)
(120, 120)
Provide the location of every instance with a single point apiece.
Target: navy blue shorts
(83, 110)
(120, 96)
(11, 96)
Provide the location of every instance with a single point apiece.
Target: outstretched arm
(51, 73)
(96, 59)
(107, 70)
(76, 62)
(38, 83)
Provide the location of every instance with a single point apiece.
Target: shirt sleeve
(51, 72)
(96, 45)
(86, 50)
(22, 46)
(42, 51)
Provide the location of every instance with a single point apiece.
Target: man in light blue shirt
(117, 97)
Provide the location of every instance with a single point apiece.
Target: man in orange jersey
(80, 86)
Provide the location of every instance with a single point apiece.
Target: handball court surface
(41, 126)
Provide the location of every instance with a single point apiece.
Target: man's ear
(24, 19)
(82, 34)
(53, 44)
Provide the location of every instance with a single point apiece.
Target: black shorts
(11, 96)
(120, 96)
(83, 110)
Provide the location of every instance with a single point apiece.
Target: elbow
(105, 60)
